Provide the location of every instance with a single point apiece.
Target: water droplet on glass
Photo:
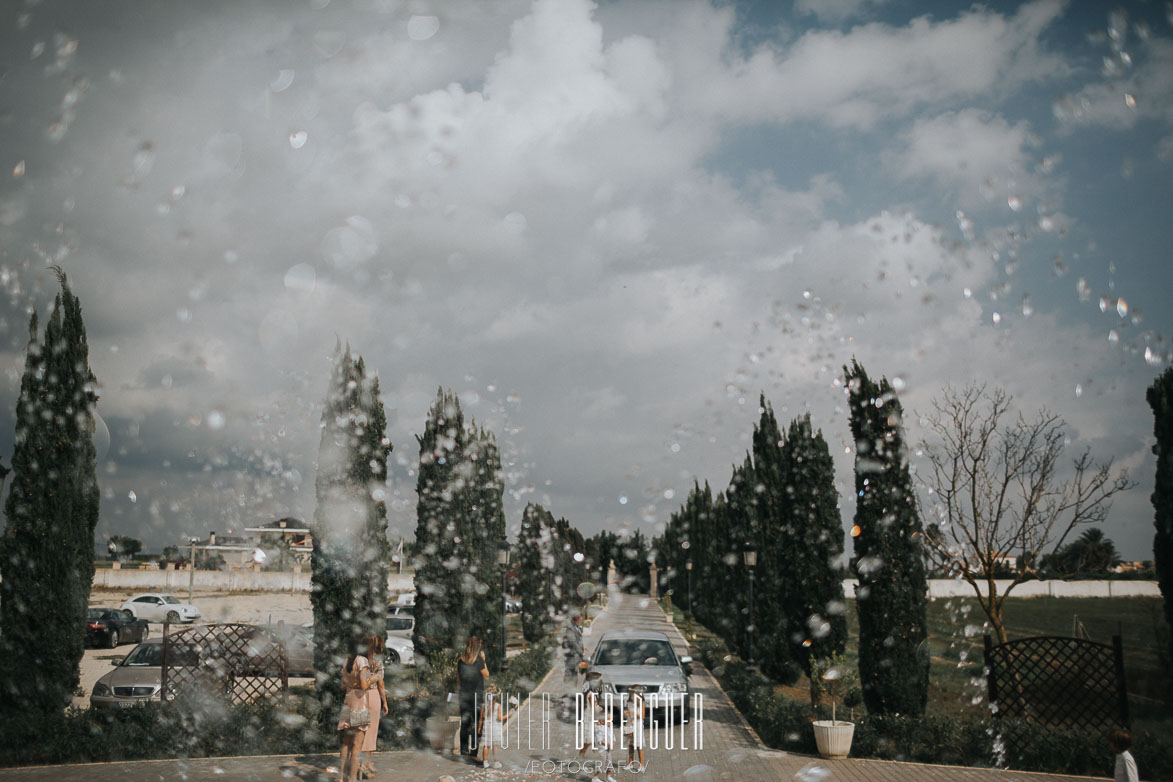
(515, 222)
(301, 277)
(1014, 202)
(144, 159)
(622, 499)
(1078, 390)
(996, 317)
(283, 81)
(967, 293)
(1046, 224)
(1130, 100)
(132, 496)
(1121, 307)
(812, 772)
(18, 170)
(298, 138)
(328, 43)
(215, 420)
(178, 192)
(1027, 308)
(351, 244)
(1083, 289)
(669, 494)
(421, 28)
(698, 770)
(1113, 337)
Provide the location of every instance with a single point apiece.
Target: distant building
(285, 535)
(235, 550)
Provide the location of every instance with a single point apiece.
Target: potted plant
(832, 677)
(439, 683)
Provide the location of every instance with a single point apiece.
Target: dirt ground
(250, 607)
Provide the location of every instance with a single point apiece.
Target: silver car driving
(644, 660)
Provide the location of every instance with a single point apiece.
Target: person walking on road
(472, 673)
(376, 703)
(355, 716)
(574, 661)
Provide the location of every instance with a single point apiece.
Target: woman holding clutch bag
(356, 715)
(376, 703)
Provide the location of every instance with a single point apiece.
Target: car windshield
(170, 601)
(398, 623)
(642, 651)
(95, 613)
(151, 655)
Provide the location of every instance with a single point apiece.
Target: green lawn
(956, 627)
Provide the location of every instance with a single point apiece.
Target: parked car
(112, 626)
(646, 660)
(398, 650)
(400, 623)
(138, 676)
(299, 647)
(158, 607)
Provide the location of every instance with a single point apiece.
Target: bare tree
(998, 491)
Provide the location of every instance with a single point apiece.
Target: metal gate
(240, 663)
(1065, 682)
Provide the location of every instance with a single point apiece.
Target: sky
(609, 227)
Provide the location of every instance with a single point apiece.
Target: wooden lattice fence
(238, 662)
(1058, 681)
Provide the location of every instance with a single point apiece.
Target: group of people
(364, 700)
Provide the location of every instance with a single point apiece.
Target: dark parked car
(299, 647)
(112, 626)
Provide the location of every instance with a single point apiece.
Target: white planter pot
(442, 733)
(833, 738)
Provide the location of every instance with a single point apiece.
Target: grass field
(956, 627)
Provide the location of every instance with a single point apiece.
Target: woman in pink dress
(376, 702)
(355, 716)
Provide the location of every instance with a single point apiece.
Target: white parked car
(158, 607)
(398, 650)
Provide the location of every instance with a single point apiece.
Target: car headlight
(673, 687)
(101, 690)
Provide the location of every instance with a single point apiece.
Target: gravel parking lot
(251, 607)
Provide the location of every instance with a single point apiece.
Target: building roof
(287, 524)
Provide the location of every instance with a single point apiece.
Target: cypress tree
(891, 595)
(533, 550)
(438, 487)
(481, 528)
(815, 612)
(351, 555)
(1160, 399)
(778, 590)
(47, 550)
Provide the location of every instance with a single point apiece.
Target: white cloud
(974, 156)
(1144, 91)
(876, 70)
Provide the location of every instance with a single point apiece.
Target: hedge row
(784, 723)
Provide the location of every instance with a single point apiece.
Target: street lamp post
(503, 562)
(191, 572)
(688, 567)
(751, 560)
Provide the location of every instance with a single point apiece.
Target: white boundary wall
(949, 587)
(220, 581)
(262, 581)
